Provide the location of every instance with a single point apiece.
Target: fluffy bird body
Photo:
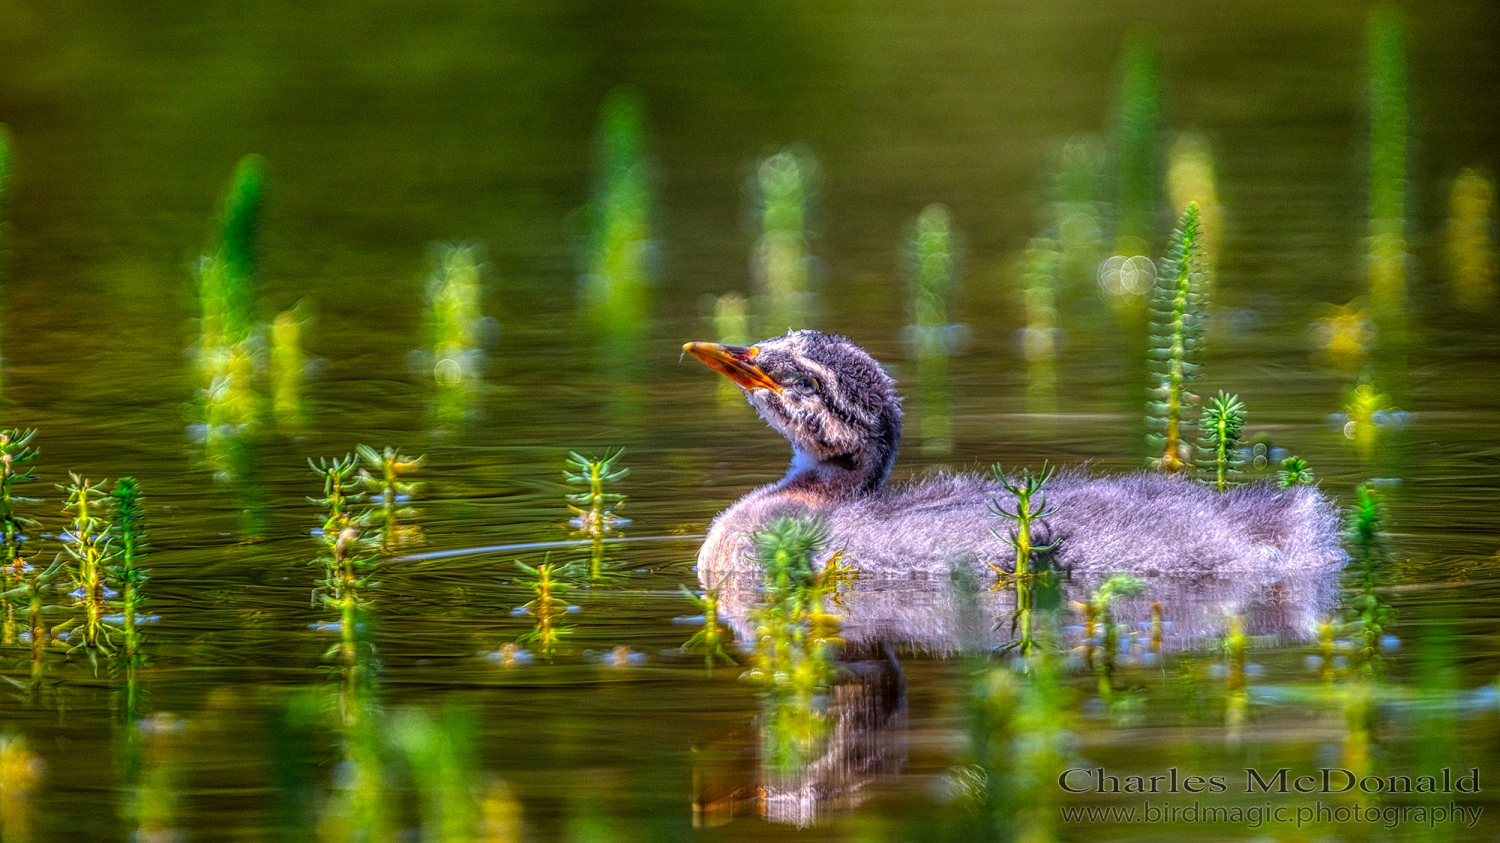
(842, 415)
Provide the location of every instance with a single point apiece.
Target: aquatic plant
(793, 668)
(37, 586)
(288, 367)
(90, 544)
(455, 329)
(1222, 422)
(126, 573)
(1137, 147)
(930, 336)
(1043, 743)
(615, 285)
(1388, 165)
(154, 805)
(1368, 416)
(1471, 244)
(783, 188)
(21, 770)
(1104, 631)
(596, 510)
(229, 351)
(440, 755)
(546, 607)
(1294, 472)
(1190, 178)
(1030, 572)
(1176, 338)
(712, 637)
(383, 479)
(1236, 683)
(16, 458)
(932, 279)
(346, 556)
(1344, 336)
(731, 322)
(1368, 573)
(1040, 268)
(1077, 209)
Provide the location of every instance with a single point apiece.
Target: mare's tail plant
(793, 661)
(711, 638)
(1294, 472)
(1106, 633)
(783, 188)
(455, 330)
(16, 458)
(1369, 573)
(230, 346)
(615, 285)
(130, 535)
(1030, 572)
(1471, 242)
(595, 509)
(383, 478)
(346, 556)
(91, 545)
(1221, 424)
(1388, 171)
(930, 334)
(288, 367)
(1176, 335)
(546, 607)
(1138, 148)
(1236, 683)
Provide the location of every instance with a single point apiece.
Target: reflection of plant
(545, 607)
(711, 638)
(1236, 684)
(1222, 422)
(16, 457)
(382, 477)
(1102, 630)
(1026, 577)
(1176, 334)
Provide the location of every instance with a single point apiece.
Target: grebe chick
(842, 415)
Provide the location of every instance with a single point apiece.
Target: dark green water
(387, 127)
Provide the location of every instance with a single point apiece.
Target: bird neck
(839, 477)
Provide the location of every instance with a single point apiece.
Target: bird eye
(806, 384)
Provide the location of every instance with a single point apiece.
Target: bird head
(826, 395)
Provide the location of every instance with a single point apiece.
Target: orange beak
(734, 361)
